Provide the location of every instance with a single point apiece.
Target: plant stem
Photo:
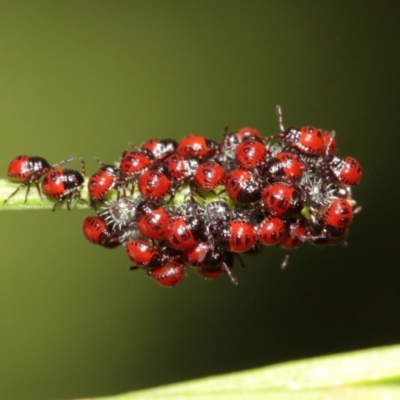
(359, 375)
(35, 202)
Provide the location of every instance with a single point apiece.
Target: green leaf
(366, 374)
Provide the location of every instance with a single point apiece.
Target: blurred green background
(84, 78)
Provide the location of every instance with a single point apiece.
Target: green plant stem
(359, 375)
(35, 202)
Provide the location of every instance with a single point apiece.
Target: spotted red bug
(197, 255)
(242, 236)
(285, 166)
(155, 183)
(64, 184)
(181, 168)
(242, 186)
(197, 146)
(323, 238)
(29, 170)
(282, 198)
(160, 149)
(133, 163)
(144, 254)
(209, 175)
(211, 272)
(104, 180)
(337, 217)
(96, 231)
(168, 274)
(270, 231)
(152, 220)
(203, 253)
(330, 144)
(246, 133)
(210, 260)
(294, 237)
(214, 272)
(307, 139)
(183, 232)
(251, 154)
(233, 139)
(347, 170)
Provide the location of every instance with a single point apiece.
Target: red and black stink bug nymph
(307, 139)
(282, 198)
(133, 163)
(230, 140)
(180, 168)
(337, 217)
(251, 154)
(152, 220)
(284, 166)
(168, 274)
(197, 146)
(183, 232)
(104, 180)
(155, 183)
(28, 170)
(242, 186)
(209, 175)
(64, 184)
(144, 254)
(294, 237)
(96, 231)
(347, 170)
(270, 231)
(160, 149)
(241, 236)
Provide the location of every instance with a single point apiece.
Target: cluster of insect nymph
(200, 203)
